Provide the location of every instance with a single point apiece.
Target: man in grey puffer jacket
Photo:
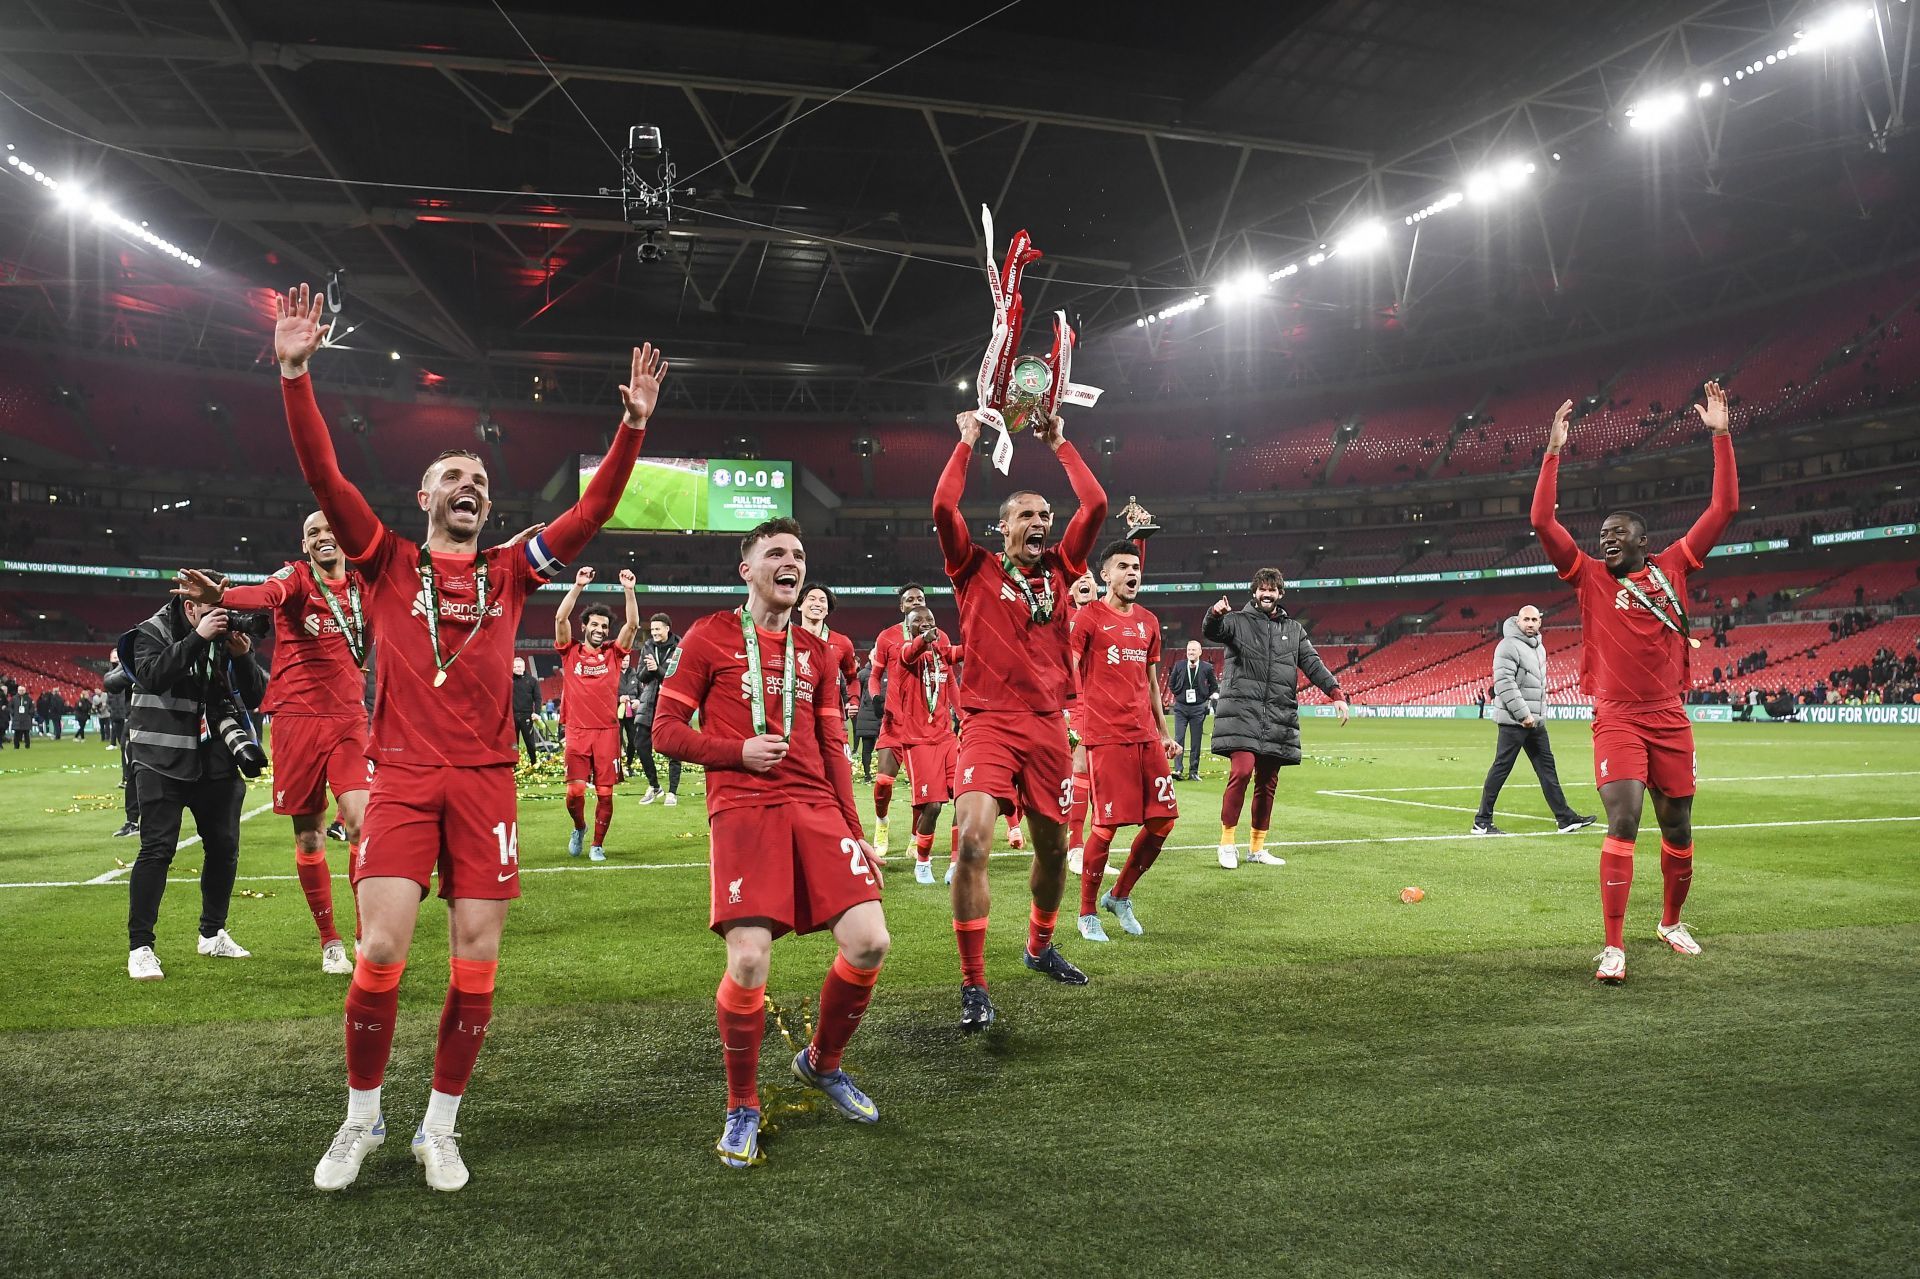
(1520, 709)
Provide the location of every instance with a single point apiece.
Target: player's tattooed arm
(1559, 544)
(630, 629)
(563, 616)
(297, 334)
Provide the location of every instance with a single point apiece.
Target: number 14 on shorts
(508, 834)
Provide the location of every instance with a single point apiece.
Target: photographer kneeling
(194, 681)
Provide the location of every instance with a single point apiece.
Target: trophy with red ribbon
(1017, 389)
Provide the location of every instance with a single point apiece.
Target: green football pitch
(659, 496)
(1292, 1072)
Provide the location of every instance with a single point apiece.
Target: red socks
(1077, 814)
(463, 1022)
(1676, 869)
(1040, 929)
(1146, 847)
(742, 1014)
(1093, 868)
(317, 884)
(923, 847)
(953, 845)
(1616, 881)
(971, 936)
(372, 1000)
(577, 804)
(844, 996)
(882, 796)
(602, 815)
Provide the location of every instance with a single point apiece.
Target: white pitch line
(114, 874)
(1445, 808)
(1771, 777)
(1173, 848)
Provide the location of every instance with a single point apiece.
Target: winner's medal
(1016, 389)
(1680, 627)
(430, 587)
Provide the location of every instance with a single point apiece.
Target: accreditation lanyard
(430, 584)
(355, 631)
(757, 682)
(1039, 607)
(1679, 627)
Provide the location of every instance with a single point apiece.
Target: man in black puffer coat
(1257, 725)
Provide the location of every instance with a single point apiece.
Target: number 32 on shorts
(856, 859)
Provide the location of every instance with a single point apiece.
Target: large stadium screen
(699, 494)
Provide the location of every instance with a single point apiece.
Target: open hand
(969, 424)
(642, 391)
(526, 534)
(297, 331)
(192, 584)
(763, 754)
(1714, 411)
(1557, 433)
(875, 863)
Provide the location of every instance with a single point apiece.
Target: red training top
(1628, 656)
(1113, 651)
(313, 668)
(467, 720)
(1013, 662)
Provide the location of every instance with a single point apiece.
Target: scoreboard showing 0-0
(699, 494)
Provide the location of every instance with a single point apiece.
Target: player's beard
(445, 516)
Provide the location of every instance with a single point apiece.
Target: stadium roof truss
(828, 260)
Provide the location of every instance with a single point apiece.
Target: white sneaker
(221, 946)
(652, 794)
(144, 965)
(1229, 856)
(439, 1154)
(333, 959)
(1262, 857)
(952, 864)
(356, 1139)
(1612, 965)
(672, 800)
(1075, 860)
(1679, 938)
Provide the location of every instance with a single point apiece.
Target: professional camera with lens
(254, 625)
(235, 730)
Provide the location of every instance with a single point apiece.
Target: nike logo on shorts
(505, 875)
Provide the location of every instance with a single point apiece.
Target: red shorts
(591, 753)
(1020, 758)
(461, 821)
(793, 864)
(1131, 784)
(314, 752)
(888, 740)
(929, 769)
(1654, 746)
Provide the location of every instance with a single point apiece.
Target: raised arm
(1725, 503)
(568, 534)
(1083, 530)
(1215, 626)
(297, 334)
(192, 584)
(631, 629)
(956, 543)
(563, 616)
(1559, 544)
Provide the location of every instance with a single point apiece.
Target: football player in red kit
(316, 697)
(1634, 665)
(1116, 654)
(443, 791)
(887, 764)
(816, 606)
(788, 853)
(1013, 739)
(590, 703)
(920, 704)
(1080, 595)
